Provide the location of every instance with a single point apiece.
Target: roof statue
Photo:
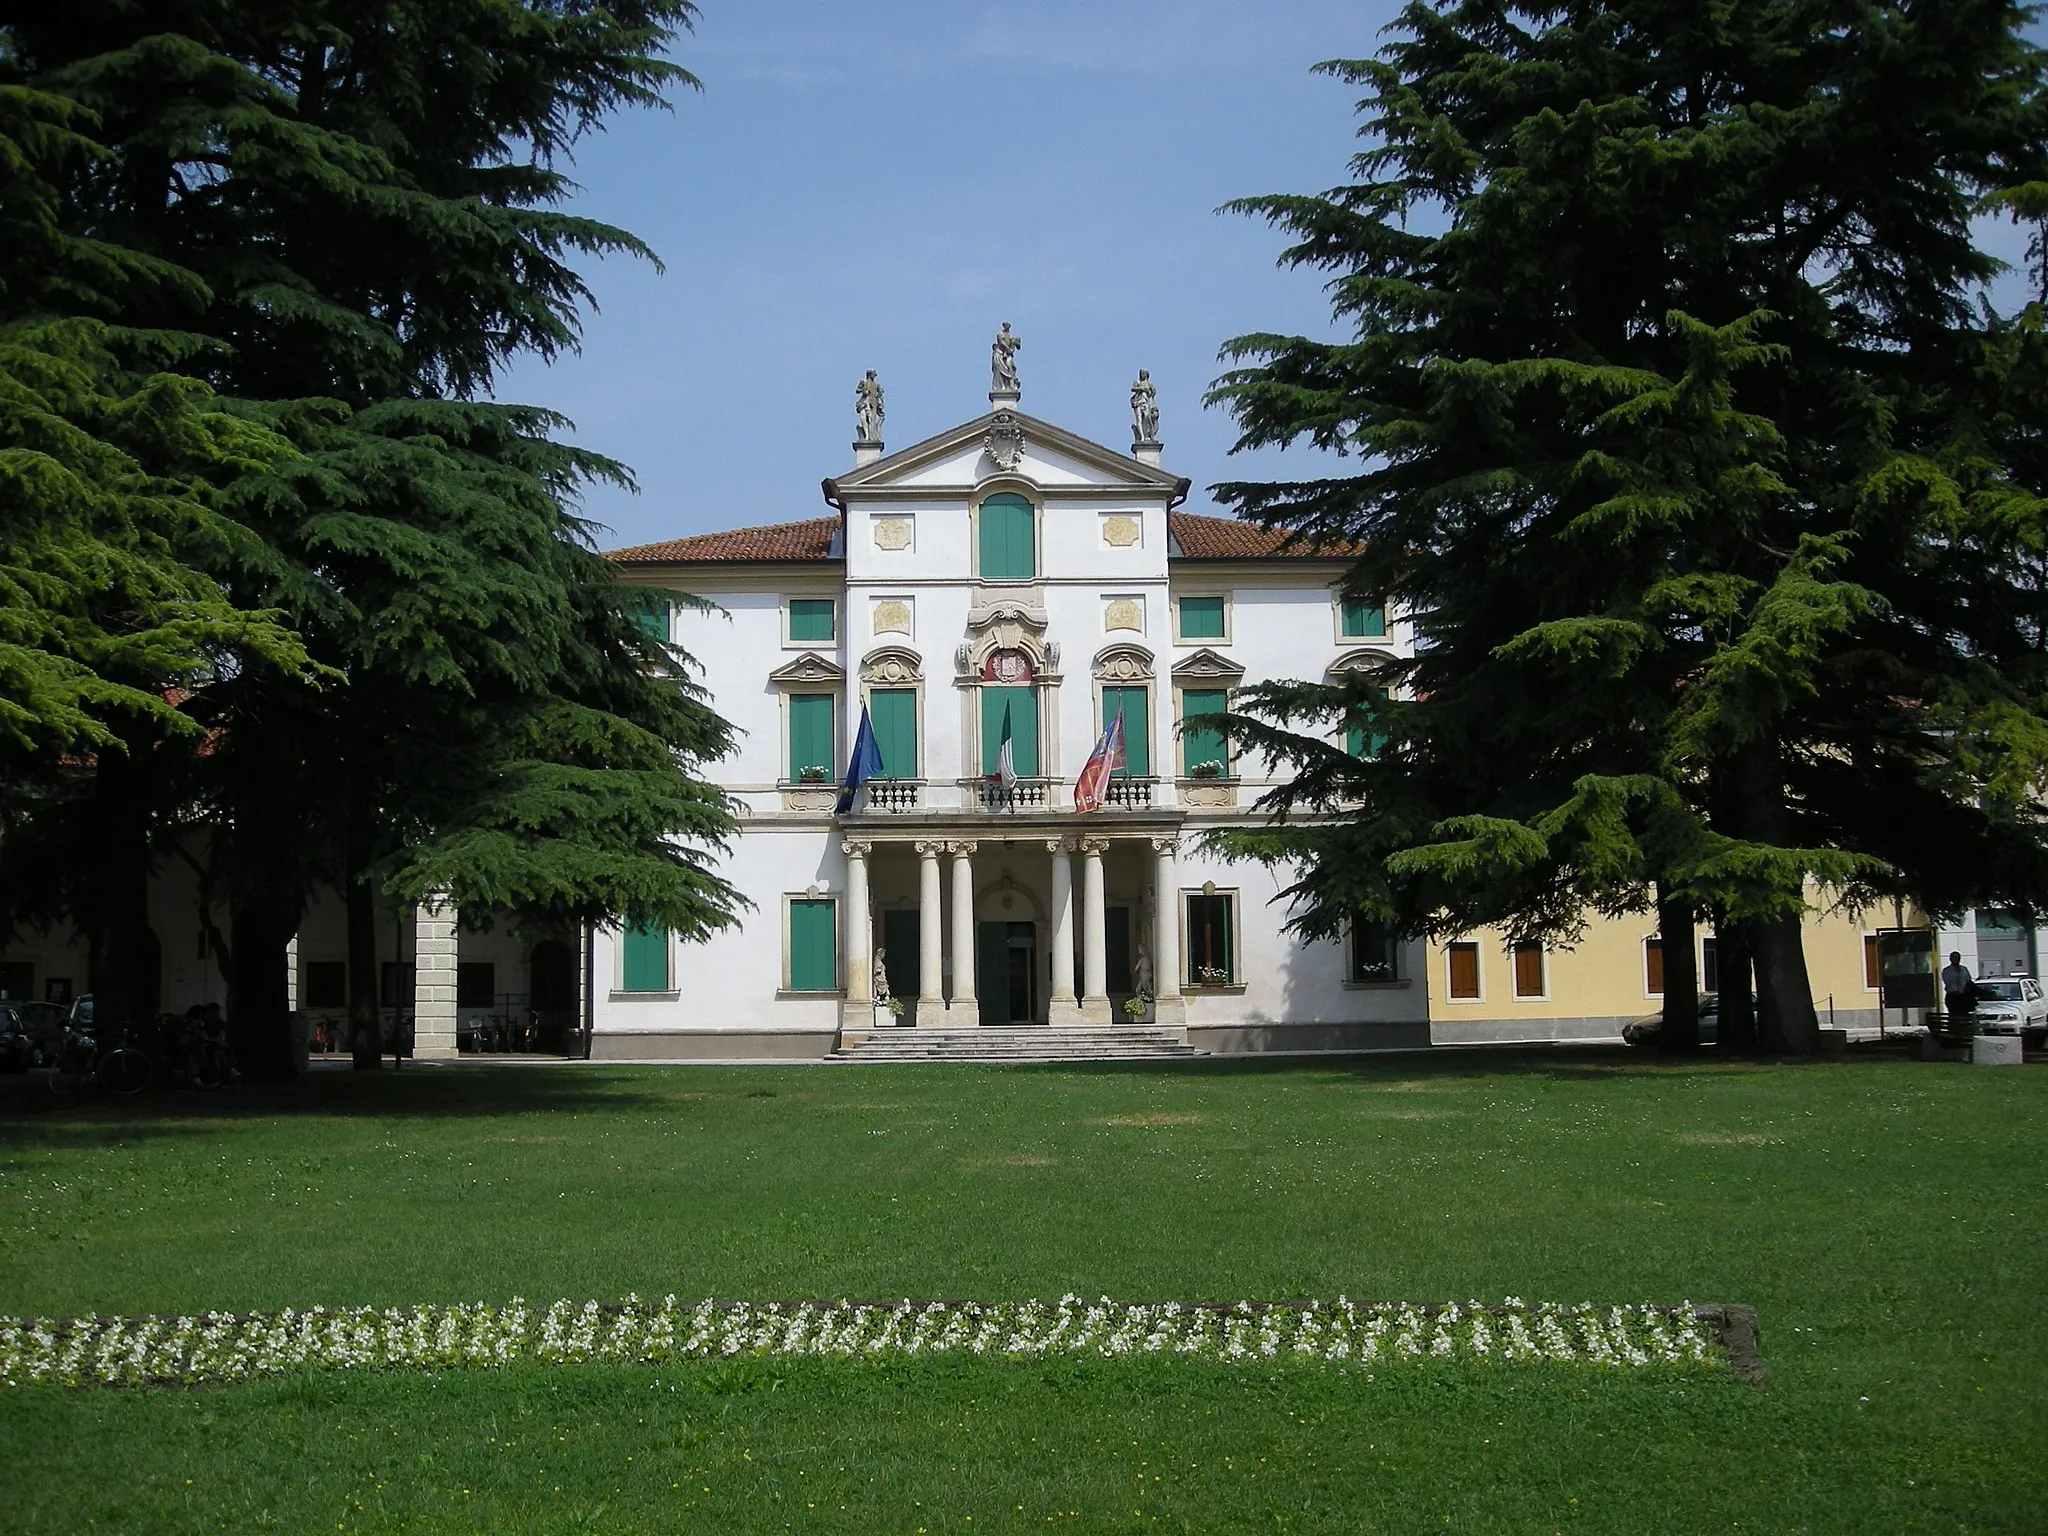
(1002, 363)
(1144, 411)
(867, 410)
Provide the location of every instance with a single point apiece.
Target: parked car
(2012, 1005)
(1643, 1031)
(35, 1032)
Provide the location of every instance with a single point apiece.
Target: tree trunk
(1785, 1015)
(1737, 1030)
(124, 961)
(1786, 1021)
(259, 985)
(1681, 1028)
(365, 1022)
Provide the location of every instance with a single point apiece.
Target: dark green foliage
(1711, 490)
(356, 205)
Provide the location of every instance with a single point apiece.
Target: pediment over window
(1123, 664)
(892, 665)
(1364, 659)
(1205, 664)
(808, 668)
(1005, 626)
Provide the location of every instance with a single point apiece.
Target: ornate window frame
(1208, 670)
(809, 673)
(897, 667)
(1127, 665)
(1023, 490)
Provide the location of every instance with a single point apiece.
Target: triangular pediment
(959, 457)
(810, 667)
(1205, 664)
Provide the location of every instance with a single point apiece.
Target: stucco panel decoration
(1121, 531)
(892, 666)
(892, 616)
(1003, 442)
(894, 533)
(1006, 627)
(1124, 613)
(1124, 664)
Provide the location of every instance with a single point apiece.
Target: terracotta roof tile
(1225, 538)
(810, 539)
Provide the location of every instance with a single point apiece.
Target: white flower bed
(112, 1351)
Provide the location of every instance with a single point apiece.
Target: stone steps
(1034, 1043)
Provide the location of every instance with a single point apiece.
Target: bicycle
(123, 1069)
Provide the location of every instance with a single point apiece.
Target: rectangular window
(1462, 956)
(1363, 619)
(326, 984)
(645, 966)
(1710, 966)
(1135, 706)
(1201, 618)
(1007, 547)
(813, 944)
(1212, 961)
(1375, 952)
(894, 713)
(811, 619)
(1018, 707)
(1873, 963)
(1200, 742)
(1653, 965)
(1362, 735)
(810, 736)
(476, 984)
(651, 614)
(1529, 977)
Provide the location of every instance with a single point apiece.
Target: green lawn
(1886, 1218)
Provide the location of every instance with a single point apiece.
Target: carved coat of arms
(1003, 442)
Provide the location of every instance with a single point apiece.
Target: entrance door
(901, 939)
(1006, 968)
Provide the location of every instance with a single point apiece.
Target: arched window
(1008, 539)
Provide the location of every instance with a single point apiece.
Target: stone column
(1094, 934)
(931, 940)
(1062, 1008)
(1168, 1005)
(433, 994)
(859, 1011)
(962, 1002)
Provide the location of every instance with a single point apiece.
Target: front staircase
(1087, 1042)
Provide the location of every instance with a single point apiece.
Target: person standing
(1958, 993)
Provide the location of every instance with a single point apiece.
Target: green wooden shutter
(646, 958)
(810, 733)
(813, 946)
(1007, 546)
(1022, 704)
(1202, 743)
(651, 615)
(1364, 619)
(810, 618)
(1362, 737)
(894, 713)
(1201, 618)
(1133, 702)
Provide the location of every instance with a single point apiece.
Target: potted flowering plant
(1135, 1006)
(1209, 770)
(814, 775)
(895, 1006)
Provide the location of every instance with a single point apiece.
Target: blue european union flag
(866, 762)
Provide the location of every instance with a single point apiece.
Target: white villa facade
(1007, 574)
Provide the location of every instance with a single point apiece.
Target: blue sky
(880, 185)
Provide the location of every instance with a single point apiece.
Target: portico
(1040, 922)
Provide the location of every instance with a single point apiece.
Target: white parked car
(2012, 1005)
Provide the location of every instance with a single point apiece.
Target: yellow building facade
(1483, 989)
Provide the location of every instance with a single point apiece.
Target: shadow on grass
(30, 1114)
